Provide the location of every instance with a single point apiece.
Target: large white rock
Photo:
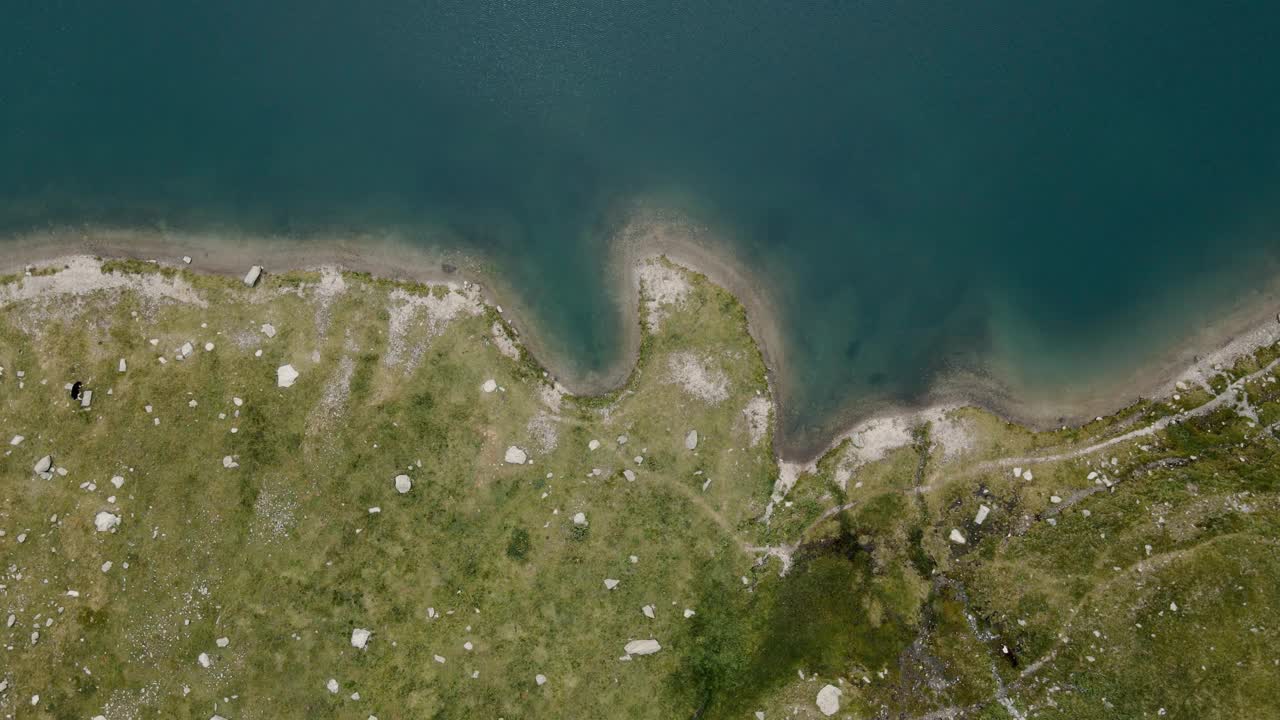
(17, 440)
(829, 700)
(251, 277)
(360, 638)
(540, 679)
(43, 464)
(956, 536)
(642, 647)
(104, 521)
(981, 517)
(489, 385)
(610, 583)
(286, 375)
(580, 519)
(403, 484)
(691, 440)
(515, 456)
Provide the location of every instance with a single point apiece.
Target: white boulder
(251, 277)
(981, 517)
(610, 583)
(691, 440)
(580, 519)
(642, 647)
(360, 638)
(489, 385)
(957, 537)
(515, 456)
(286, 375)
(403, 484)
(43, 464)
(105, 521)
(540, 679)
(829, 700)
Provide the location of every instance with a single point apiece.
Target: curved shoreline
(1249, 324)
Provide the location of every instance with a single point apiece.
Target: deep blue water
(1062, 187)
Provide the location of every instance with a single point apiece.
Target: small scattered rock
(286, 375)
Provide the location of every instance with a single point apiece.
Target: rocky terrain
(321, 494)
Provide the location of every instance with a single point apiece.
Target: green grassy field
(260, 525)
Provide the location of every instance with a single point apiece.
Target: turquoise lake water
(1057, 189)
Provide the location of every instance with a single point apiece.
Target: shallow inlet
(1022, 204)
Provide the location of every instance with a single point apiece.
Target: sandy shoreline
(1251, 323)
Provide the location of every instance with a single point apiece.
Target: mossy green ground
(1052, 609)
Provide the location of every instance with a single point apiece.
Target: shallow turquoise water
(1062, 187)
